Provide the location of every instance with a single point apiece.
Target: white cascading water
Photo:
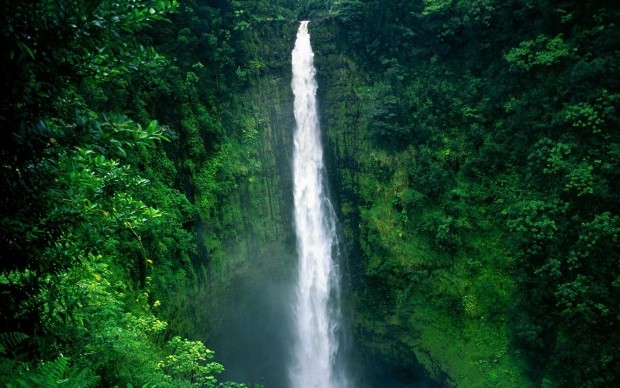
(316, 306)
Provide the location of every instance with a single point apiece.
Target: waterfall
(316, 306)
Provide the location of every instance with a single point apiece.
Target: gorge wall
(473, 154)
(415, 303)
(435, 137)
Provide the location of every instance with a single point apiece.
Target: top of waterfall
(304, 25)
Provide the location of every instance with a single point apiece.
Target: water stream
(316, 305)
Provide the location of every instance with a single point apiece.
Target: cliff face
(414, 304)
(244, 301)
(251, 256)
(415, 300)
(263, 113)
(266, 205)
(471, 152)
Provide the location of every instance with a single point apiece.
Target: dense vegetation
(119, 164)
(474, 154)
(477, 153)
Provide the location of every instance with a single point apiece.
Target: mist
(252, 329)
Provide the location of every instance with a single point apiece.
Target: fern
(11, 344)
(7, 369)
(13, 354)
(48, 375)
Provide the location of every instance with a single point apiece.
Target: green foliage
(386, 118)
(15, 371)
(10, 342)
(475, 152)
(188, 362)
(95, 235)
(47, 375)
(481, 155)
(539, 52)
